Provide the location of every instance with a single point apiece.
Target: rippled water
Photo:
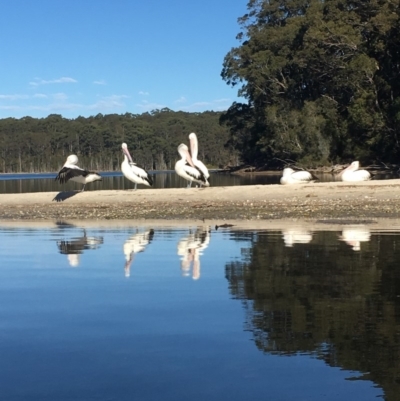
(198, 313)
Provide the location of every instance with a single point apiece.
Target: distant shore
(356, 202)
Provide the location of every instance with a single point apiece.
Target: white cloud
(13, 97)
(100, 82)
(62, 80)
(61, 105)
(144, 93)
(216, 105)
(13, 108)
(109, 102)
(182, 99)
(60, 96)
(148, 106)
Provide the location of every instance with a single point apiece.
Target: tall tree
(319, 78)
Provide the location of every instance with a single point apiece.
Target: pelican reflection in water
(134, 244)
(190, 248)
(293, 236)
(354, 235)
(74, 248)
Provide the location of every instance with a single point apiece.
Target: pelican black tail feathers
(149, 179)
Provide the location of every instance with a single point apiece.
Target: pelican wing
(363, 175)
(200, 166)
(141, 173)
(194, 172)
(302, 176)
(66, 173)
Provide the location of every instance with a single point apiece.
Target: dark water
(147, 313)
(21, 183)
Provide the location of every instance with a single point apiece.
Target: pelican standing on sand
(194, 150)
(70, 171)
(353, 174)
(186, 169)
(132, 172)
(290, 176)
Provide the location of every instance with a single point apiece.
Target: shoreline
(358, 202)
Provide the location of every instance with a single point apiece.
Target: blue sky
(84, 57)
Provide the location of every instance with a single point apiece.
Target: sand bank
(358, 202)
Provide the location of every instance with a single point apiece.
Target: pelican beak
(189, 159)
(128, 155)
(192, 144)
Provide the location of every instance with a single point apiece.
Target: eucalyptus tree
(319, 78)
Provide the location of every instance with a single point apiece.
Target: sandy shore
(358, 202)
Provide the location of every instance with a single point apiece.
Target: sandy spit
(329, 202)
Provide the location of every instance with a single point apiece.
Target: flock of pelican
(188, 167)
(350, 174)
(191, 169)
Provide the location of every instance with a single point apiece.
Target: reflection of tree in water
(324, 298)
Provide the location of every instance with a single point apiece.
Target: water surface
(149, 313)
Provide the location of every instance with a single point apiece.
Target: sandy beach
(330, 201)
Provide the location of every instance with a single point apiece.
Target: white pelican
(290, 176)
(353, 174)
(186, 169)
(132, 172)
(190, 248)
(135, 244)
(194, 150)
(354, 235)
(71, 171)
(296, 236)
(75, 247)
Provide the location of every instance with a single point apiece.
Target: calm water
(148, 313)
(17, 183)
(20, 183)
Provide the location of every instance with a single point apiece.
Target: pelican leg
(135, 186)
(189, 184)
(83, 188)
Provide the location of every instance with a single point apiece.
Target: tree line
(321, 81)
(42, 144)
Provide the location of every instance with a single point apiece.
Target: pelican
(135, 244)
(353, 174)
(75, 247)
(354, 235)
(71, 171)
(290, 176)
(194, 149)
(190, 248)
(132, 172)
(186, 169)
(296, 236)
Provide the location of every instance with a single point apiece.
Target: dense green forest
(37, 145)
(321, 80)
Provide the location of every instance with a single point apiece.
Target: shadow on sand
(64, 195)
